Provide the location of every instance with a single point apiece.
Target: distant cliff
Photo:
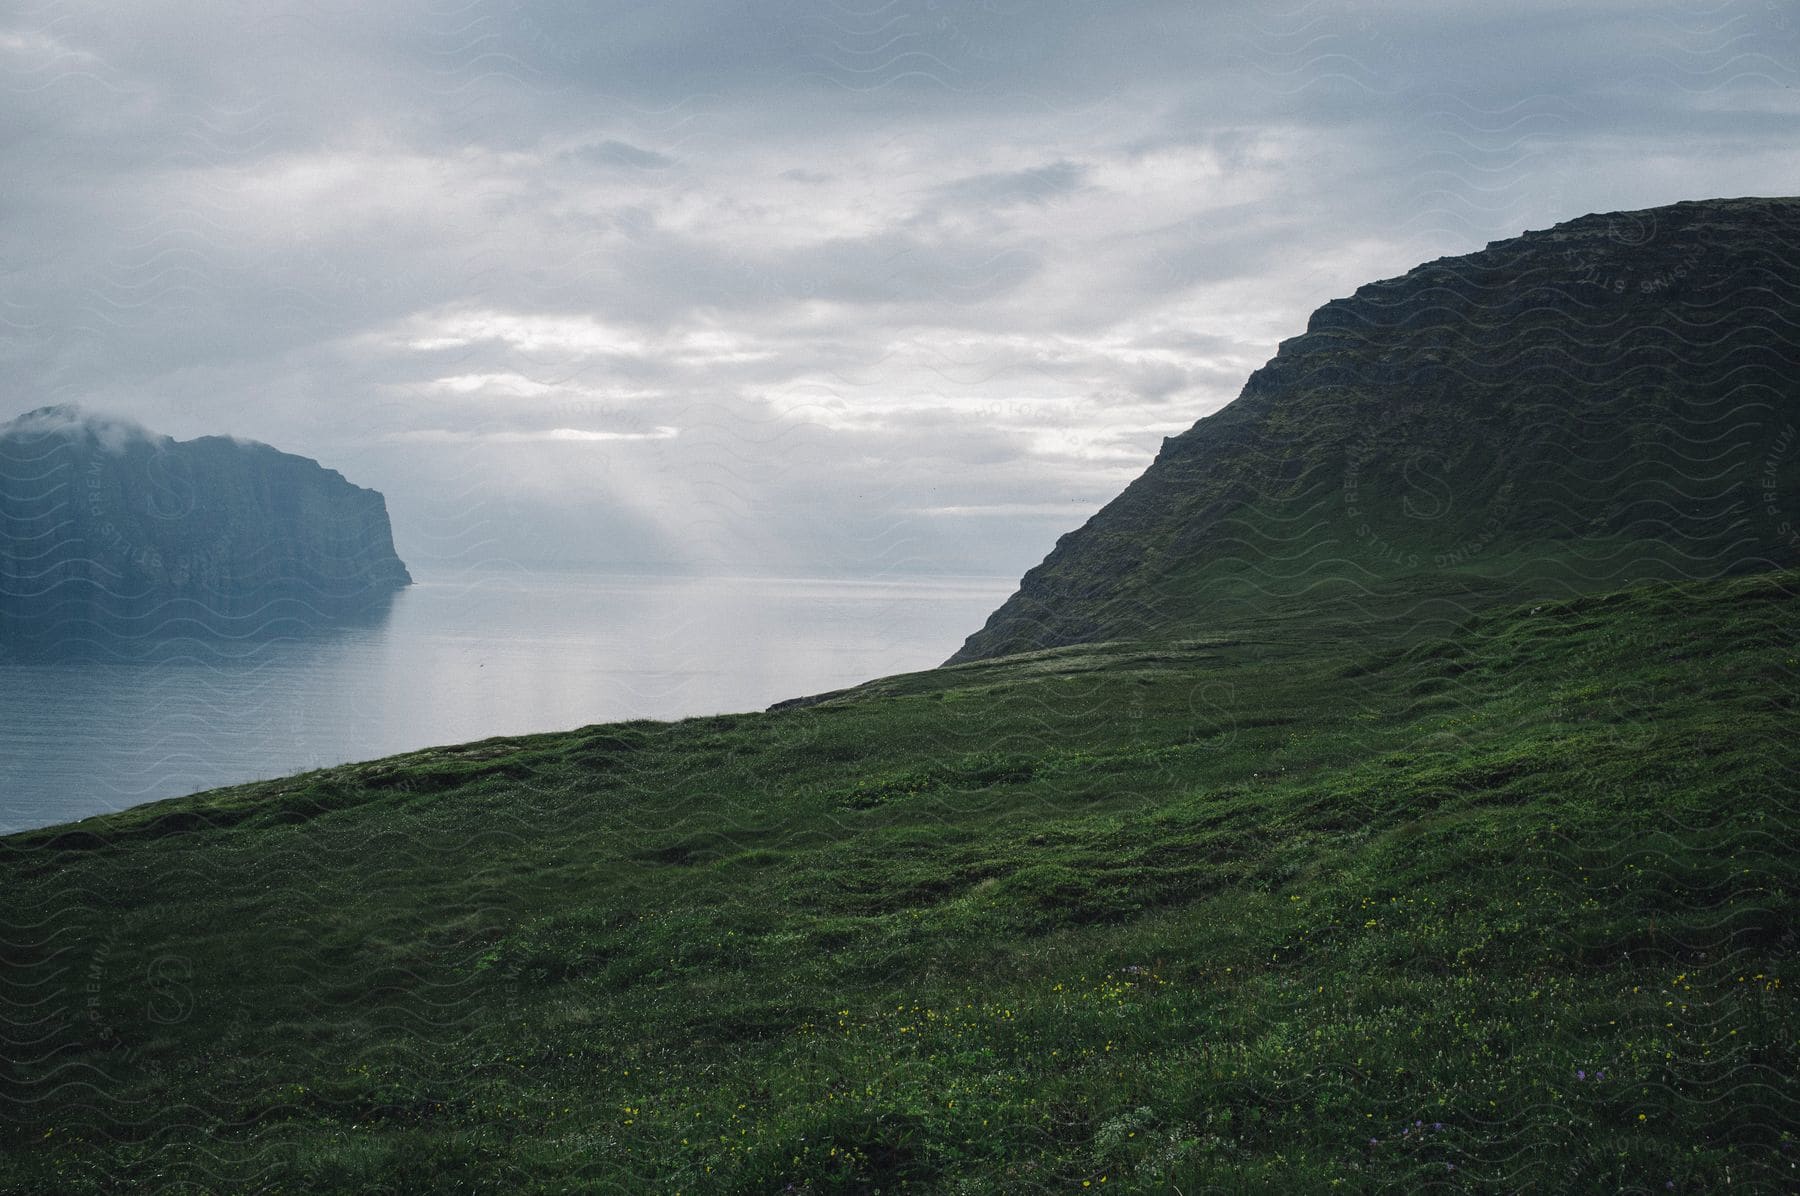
(1613, 399)
(107, 527)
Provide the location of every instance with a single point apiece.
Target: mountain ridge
(1611, 387)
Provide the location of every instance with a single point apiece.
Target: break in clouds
(805, 287)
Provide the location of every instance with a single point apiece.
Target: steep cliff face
(1612, 399)
(106, 526)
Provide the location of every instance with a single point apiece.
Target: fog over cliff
(791, 287)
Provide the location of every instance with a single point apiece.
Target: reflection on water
(457, 658)
(181, 628)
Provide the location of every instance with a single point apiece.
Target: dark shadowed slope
(1610, 400)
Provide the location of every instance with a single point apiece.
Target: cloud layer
(791, 286)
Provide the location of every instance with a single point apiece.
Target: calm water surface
(458, 658)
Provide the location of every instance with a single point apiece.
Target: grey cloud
(1160, 382)
(872, 262)
(894, 268)
(614, 153)
(1038, 185)
(113, 433)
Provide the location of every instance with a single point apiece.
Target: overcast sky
(792, 287)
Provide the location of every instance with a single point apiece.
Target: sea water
(458, 657)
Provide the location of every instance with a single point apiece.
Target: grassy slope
(1316, 901)
(1501, 418)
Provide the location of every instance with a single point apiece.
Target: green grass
(1314, 902)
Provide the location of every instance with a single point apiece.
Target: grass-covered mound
(1307, 904)
(1569, 410)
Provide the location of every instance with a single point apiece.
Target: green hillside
(1608, 401)
(1396, 788)
(1297, 906)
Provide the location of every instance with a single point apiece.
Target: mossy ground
(1311, 903)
